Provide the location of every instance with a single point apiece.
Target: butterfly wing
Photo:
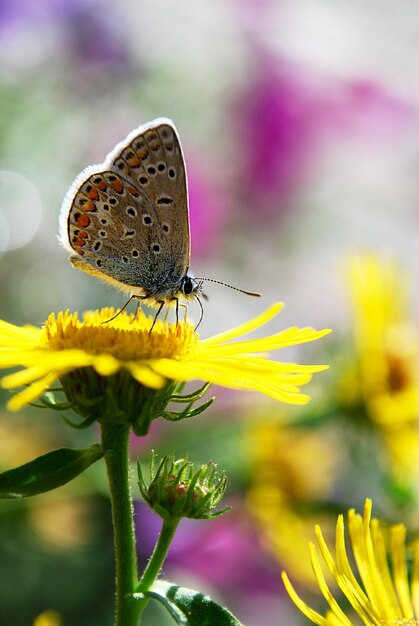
(127, 219)
(153, 160)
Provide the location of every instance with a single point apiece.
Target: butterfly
(126, 221)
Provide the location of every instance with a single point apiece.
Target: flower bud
(178, 489)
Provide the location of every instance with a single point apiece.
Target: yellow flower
(380, 595)
(386, 342)
(292, 469)
(384, 379)
(170, 353)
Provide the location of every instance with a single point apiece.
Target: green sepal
(47, 472)
(189, 607)
(190, 397)
(175, 416)
(81, 425)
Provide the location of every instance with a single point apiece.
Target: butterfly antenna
(219, 282)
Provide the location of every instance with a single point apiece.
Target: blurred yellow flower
(48, 618)
(387, 343)
(171, 352)
(380, 595)
(387, 353)
(292, 470)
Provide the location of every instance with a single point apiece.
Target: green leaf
(47, 472)
(189, 607)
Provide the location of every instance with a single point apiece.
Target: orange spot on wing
(79, 242)
(133, 191)
(78, 250)
(89, 206)
(117, 186)
(83, 220)
(94, 194)
(102, 186)
(142, 153)
(134, 162)
(83, 234)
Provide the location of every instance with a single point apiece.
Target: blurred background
(300, 125)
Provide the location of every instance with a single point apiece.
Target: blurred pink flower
(276, 125)
(91, 34)
(225, 552)
(370, 109)
(284, 119)
(208, 205)
(94, 34)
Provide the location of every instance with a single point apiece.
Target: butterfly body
(126, 220)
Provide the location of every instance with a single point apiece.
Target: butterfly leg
(161, 302)
(138, 309)
(120, 311)
(177, 312)
(184, 306)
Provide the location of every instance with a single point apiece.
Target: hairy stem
(115, 442)
(157, 559)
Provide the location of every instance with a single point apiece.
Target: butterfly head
(190, 287)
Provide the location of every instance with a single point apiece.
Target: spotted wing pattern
(129, 219)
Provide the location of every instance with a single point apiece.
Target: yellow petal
(284, 339)
(23, 377)
(247, 327)
(105, 364)
(324, 587)
(312, 615)
(145, 375)
(12, 333)
(401, 582)
(31, 393)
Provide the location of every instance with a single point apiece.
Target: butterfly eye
(187, 287)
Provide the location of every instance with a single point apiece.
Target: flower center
(127, 337)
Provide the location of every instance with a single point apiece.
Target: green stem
(157, 559)
(115, 443)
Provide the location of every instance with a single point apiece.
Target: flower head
(386, 341)
(384, 378)
(380, 595)
(68, 349)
